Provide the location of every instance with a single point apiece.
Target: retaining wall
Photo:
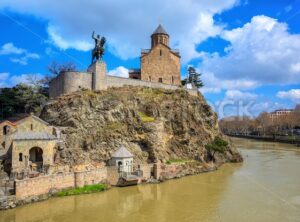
(44, 184)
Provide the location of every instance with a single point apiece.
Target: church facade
(160, 63)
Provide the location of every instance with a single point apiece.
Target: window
(6, 130)
(31, 127)
(160, 52)
(172, 79)
(150, 78)
(160, 80)
(20, 157)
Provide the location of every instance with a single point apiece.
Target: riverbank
(166, 172)
(278, 139)
(264, 188)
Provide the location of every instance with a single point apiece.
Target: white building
(122, 159)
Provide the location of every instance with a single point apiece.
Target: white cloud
(10, 80)
(293, 94)
(238, 95)
(126, 24)
(119, 71)
(61, 43)
(24, 59)
(295, 68)
(260, 52)
(24, 55)
(212, 84)
(9, 48)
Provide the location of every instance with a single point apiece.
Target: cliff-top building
(160, 68)
(160, 63)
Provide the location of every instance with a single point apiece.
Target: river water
(266, 187)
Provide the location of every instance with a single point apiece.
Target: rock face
(155, 125)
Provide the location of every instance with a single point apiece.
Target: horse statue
(98, 51)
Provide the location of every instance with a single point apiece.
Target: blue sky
(248, 51)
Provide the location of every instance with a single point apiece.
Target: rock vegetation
(156, 125)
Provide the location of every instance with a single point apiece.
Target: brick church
(160, 63)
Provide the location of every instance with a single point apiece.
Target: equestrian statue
(98, 51)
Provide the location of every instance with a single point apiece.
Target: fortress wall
(77, 80)
(68, 82)
(56, 86)
(113, 81)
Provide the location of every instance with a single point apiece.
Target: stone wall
(147, 169)
(22, 148)
(90, 177)
(113, 81)
(32, 124)
(43, 184)
(68, 82)
(161, 64)
(112, 175)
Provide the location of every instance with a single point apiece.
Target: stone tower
(160, 63)
(159, 36)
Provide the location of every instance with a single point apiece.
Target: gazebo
(122, 159)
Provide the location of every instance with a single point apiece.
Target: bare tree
(55, 68)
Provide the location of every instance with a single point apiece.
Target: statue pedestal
(98, 70)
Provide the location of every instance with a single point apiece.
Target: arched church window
(20, 157)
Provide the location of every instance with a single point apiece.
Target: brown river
(266, 187)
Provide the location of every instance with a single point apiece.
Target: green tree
(20, 99)
(193, 78)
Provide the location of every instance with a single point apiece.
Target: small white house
(122, 159)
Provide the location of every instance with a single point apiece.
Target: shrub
(218, 145)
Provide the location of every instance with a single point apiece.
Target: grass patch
(114, 126)
(82, 190)
(177, 161)
(145, 118)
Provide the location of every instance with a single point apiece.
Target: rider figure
(98, 51)
(97, 40)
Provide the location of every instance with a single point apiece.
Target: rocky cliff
(155, 125)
